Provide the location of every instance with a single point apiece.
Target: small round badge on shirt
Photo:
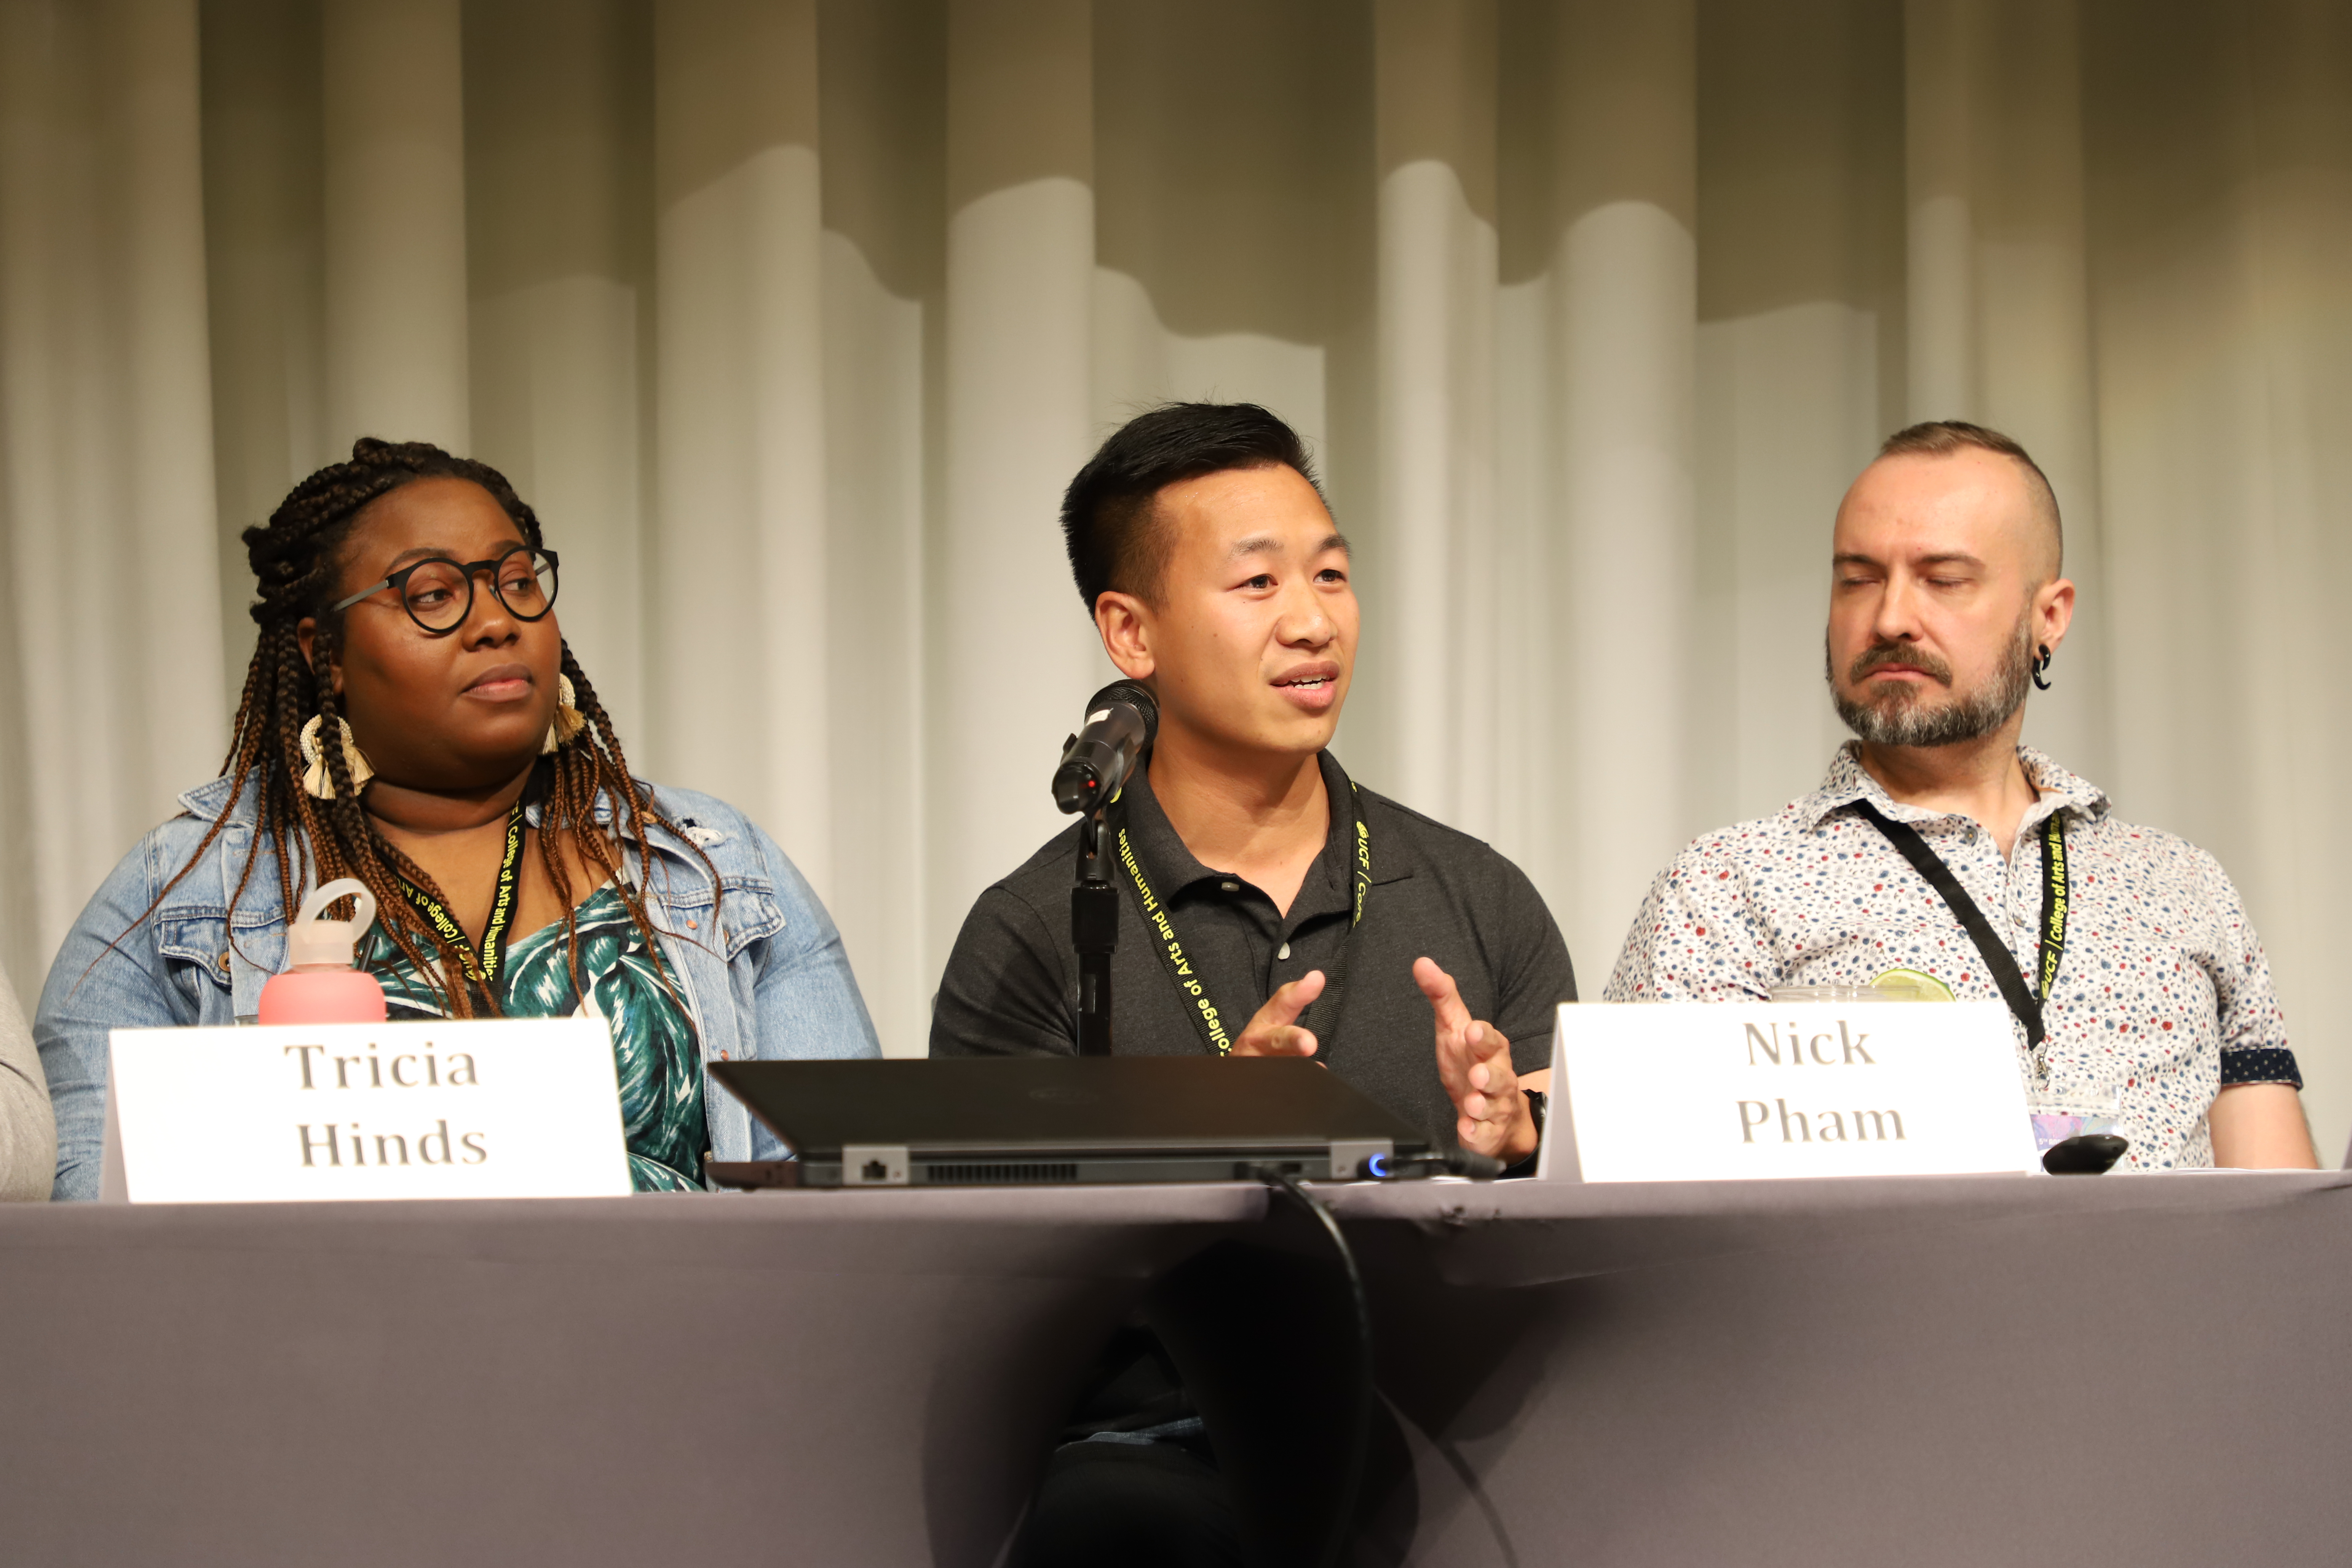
(1923, 987)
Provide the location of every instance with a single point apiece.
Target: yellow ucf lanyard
(2023, 1003)
(2054, 900)
(482, 965)
(1215, 1031)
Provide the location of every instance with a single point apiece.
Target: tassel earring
(316, 781)
(568, 721)
(2040, 666)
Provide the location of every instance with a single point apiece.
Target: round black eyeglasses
(438, 593)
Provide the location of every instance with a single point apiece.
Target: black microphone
(1121, 719)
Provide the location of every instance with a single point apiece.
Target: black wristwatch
(1536, 1108)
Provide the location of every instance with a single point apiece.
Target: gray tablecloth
(1967, 1371)
(1973, 1371)
(814, 1378)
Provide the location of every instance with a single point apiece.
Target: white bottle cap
(314, 943)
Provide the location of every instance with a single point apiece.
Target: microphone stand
(1094, 931)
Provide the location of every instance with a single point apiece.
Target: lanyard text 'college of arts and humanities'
(1191, 987)
(482, 963)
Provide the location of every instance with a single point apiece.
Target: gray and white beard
(1901, 717)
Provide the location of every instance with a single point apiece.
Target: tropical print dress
(654, 1047)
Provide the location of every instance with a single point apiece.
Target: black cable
(1360, 1439)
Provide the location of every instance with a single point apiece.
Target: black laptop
(1032, 1120)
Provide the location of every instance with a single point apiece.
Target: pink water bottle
(320, 985)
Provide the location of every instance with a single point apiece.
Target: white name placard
(492, 1109)
(1678, 1092)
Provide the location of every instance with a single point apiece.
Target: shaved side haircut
(1942, 438)
(1109, 522)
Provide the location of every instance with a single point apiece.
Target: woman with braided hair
(413, 718)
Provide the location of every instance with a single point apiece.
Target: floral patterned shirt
(2163, 996)
(654, 1050)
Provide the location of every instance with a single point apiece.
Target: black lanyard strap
(482, 964)
(2025, 1004)
(1192, 990)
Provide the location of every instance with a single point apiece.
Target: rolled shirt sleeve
(2253, 1024)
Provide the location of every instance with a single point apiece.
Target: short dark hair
(1107, 522)
(1942, 438)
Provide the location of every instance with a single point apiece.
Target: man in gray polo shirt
(1419, 964)
(1942, 852)
(1214, 573)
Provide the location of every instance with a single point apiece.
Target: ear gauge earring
(2041, 665)
(316, 781)
(568, 721)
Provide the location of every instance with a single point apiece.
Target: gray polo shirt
(1011, 983)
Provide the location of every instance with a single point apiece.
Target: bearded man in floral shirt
(2134, 978)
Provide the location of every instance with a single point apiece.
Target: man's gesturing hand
(1474, 1062)
(1274, 1032)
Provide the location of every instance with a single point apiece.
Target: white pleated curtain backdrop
(792, 319)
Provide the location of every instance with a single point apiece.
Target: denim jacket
(766, 978)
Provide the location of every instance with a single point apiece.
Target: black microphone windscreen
(1136, 696)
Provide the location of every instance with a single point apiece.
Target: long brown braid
(297, 559)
